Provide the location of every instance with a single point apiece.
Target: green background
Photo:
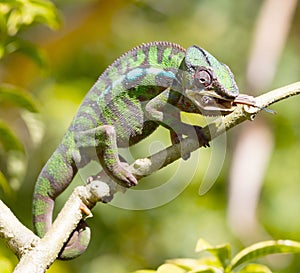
(92, 35)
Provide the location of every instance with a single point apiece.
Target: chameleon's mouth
(210, 103)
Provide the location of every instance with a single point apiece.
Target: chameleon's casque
(146, 87)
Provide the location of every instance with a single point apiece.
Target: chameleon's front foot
(201, 137)
(124, 177)
(119, 173)
(175, 138)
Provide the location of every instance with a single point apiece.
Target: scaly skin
(146, 87)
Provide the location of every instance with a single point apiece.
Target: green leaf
(262, 249)
(205, 269)
(27, 48)
(18, 97)
(170, 268)
(197, 264)
(221, 252)
(33, 52)
(186, 263)
(255, 268)
(20, 13)
(8, 139)
(203, 245)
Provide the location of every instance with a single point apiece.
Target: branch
(83, 198)
(39, 258)
(17, 237)
(146, 166)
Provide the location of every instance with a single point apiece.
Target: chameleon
(144, 88)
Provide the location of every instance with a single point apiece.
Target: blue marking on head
(135, 74)
(167, 74)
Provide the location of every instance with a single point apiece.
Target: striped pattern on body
(116, 99)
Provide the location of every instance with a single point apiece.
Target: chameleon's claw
(123, 176)
(177, 138)
(129, 180)
(202, 140)
(119, 175)
(201, 137)
(186, 156)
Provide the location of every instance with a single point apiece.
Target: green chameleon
(146, 87)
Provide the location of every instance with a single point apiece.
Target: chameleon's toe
(201, 137)
(186, 156)
(123, 176)
(127, 179)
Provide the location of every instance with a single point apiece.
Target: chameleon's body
(146, 87)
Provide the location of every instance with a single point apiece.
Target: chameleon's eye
(203, 78)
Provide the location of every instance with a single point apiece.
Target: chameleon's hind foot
(77, 242)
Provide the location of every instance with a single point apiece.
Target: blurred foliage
(15, 17)
(54, 69)
(220, 259)
(18, 15)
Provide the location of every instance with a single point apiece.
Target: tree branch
(83, 198)
(17, 237)
(39, 258)
(146, 166)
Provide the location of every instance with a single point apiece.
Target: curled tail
(56, 175)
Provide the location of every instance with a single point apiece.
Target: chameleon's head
(208, 83)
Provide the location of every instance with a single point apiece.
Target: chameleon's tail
(56, 175)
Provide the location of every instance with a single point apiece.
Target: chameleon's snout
(211, 103)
